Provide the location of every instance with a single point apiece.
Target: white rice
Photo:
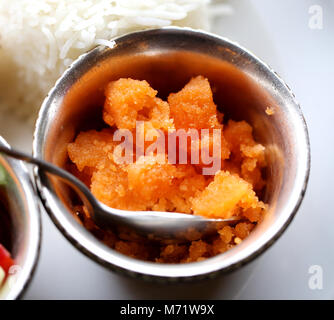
(40, 38)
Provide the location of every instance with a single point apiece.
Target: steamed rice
(40, 38)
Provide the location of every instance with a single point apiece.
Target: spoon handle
(157, 225)
(68, 178)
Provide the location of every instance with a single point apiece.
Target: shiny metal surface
(22, 205)
(155, 225)
(167, 58)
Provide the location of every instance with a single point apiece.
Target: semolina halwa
(147, 183)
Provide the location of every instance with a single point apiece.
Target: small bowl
(19, 201)
(167, 58)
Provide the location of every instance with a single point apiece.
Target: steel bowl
(20, 208)
(167, 58)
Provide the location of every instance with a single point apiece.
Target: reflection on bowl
(167, 58)
(21, 223)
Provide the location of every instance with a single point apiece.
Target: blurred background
(297, 39)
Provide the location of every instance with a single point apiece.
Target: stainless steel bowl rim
(96, 250)
(27, 270)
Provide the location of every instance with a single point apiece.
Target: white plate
(277, 32)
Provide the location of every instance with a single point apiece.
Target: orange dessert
(151, 181)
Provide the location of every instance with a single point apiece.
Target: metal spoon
(153, 224)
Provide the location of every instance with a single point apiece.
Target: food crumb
(270, 111)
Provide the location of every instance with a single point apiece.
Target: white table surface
(279, 33)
